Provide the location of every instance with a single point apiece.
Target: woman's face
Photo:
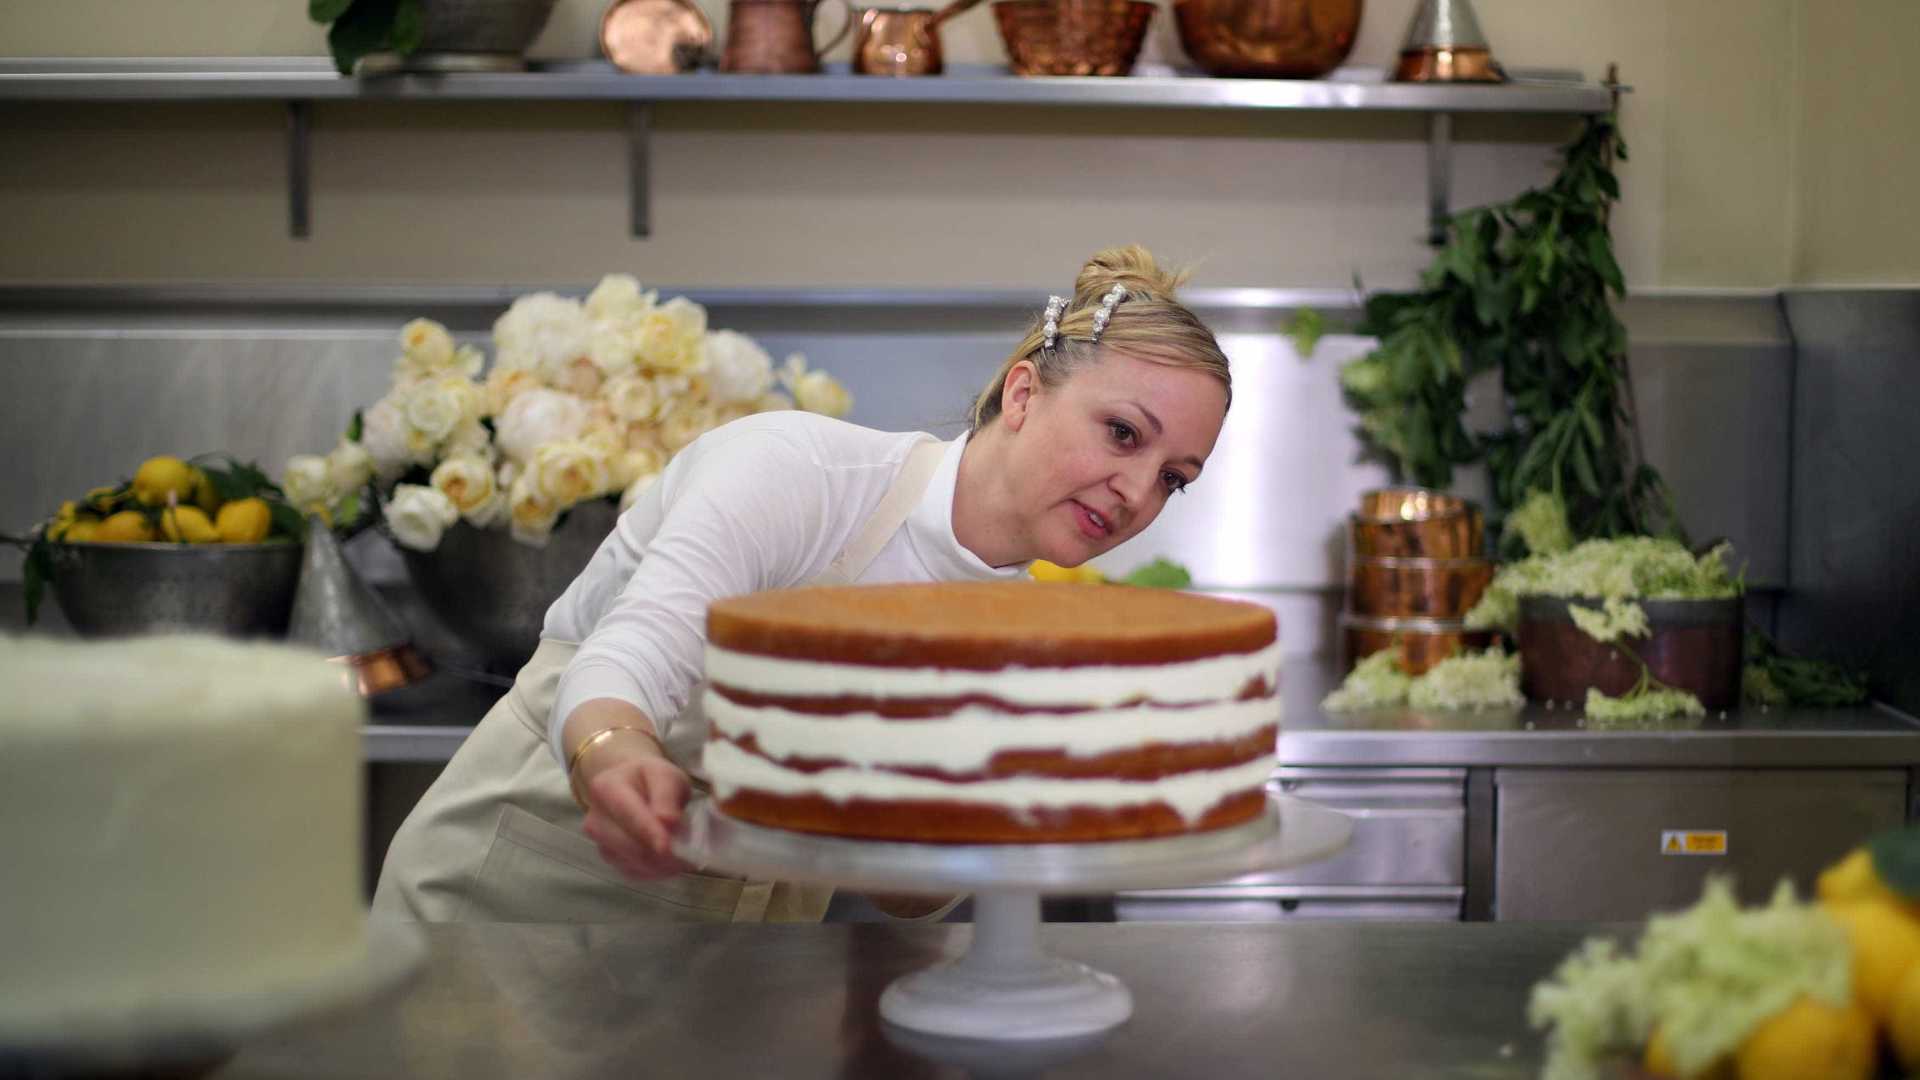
(1095, 459)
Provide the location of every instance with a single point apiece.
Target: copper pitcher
(775, 37)
(902, 41)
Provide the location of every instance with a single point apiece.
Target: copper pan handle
(846, 25)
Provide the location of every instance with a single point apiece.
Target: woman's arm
(631, 793)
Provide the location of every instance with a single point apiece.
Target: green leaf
(1583, 469)
(1161, 573)
(357, 427)
(362, 29)
(1896, 858)
(36, 574)
(1306, 327)
(286, 520)
(325, 11)
(409, 27)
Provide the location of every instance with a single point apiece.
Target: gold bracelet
(588, 743)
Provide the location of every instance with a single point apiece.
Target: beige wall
(1764, 139)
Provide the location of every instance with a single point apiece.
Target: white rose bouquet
(584, 400)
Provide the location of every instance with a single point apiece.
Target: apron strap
(894, 509)
(753, 901)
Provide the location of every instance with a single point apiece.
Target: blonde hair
(1147, 323)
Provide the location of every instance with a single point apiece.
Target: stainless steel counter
(430, 723)
(1318, 1000)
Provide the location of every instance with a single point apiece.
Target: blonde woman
(560, 805)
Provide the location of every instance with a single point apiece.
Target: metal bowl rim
(170, 546)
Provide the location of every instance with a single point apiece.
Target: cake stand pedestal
(1004, 986)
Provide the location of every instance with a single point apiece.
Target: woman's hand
(633, 794)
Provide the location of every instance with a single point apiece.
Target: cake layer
(952, 822)
(987, 626)
(1082, 686)
(1153, 761)
(180, 818)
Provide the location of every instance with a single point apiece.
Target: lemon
(187, 525)
(1658, 1063)
(81, 531)
(102, 499)
(1042, 570)
(1808, 1039)
(162, 478)
(243, 521)
(125, 527)
(204, 496)
(1886, 942)
(1903, 1019)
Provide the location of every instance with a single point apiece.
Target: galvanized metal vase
(493, 591)
(240, 590)
(468, 35)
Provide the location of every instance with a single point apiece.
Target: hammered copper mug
(902, 41)
(775, 37)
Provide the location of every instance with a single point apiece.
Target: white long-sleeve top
(765, 502)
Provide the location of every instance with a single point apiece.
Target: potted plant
(374, 36)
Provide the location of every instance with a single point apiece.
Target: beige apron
(497, 838)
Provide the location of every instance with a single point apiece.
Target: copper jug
(902, 41)
(775, 37)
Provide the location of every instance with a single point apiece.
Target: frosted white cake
(179, 825)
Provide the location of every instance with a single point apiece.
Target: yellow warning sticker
(1693, 842)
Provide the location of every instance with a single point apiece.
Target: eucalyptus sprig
(358, 27)
(1524, 288)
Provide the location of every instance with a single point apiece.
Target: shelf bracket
(299, 187)
(639, 180)
(1439, 175)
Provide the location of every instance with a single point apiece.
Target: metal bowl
(1268, 39)
(493, 591)
(242, 590)
(1072, 37)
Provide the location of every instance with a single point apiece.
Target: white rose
(541, 332)
(687, 423)
(580, 377)
(426, 349)
(614, 349)
(772, 401)
(349, 466)
(537, 417)
(507, 475)
(636, 489)
(737, 369)
(672, 334)
(633, 398)
(567, 472)
(504, 384)
(530, 514)
(819, 392)
(418, 516)
(619, 297)
(630, 465)
(467, 482)
(308, 482)
(470, 439)
(727, 414)
(646, 437)
(467, 361)
(489, 513)
(433, 411)
(383, 432)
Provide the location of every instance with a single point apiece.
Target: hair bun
(1132, 266)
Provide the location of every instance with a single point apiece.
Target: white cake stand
(1004, 986)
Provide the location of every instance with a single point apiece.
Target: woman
(1106, 410)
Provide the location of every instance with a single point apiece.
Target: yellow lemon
(125, 527)
(243, 521)
(1808, 1039)
(81, 531)
(1903, 1019)
(1659, 1063)
(162, 478)
(1886, 943)
(1042, 570)
(102, 499)
(204, 497)
(187, 525)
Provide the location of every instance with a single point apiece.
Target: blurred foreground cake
(1013, 712)
(180, 824)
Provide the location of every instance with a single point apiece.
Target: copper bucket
(1421, 643)
(1695, 645)
(1430, 588)
(1415, 523)
(1072, 37)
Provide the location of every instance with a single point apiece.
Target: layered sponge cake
(1006, 712)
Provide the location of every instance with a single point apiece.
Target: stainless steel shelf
(301, 81)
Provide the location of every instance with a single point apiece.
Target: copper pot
(902, 41)
(1072, 37)
(1268, 39)
(1421, 643)
(1415, 523)
(1433, 588)
(775, 37)
(1695, 645)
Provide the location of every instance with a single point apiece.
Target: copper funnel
(339, 614)
(1444, 44)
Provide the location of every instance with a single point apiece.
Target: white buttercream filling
(967, 740)
(1089, 686)
(1190, 794)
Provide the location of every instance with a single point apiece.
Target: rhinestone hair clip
(1056, 305)
(1113, 297)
